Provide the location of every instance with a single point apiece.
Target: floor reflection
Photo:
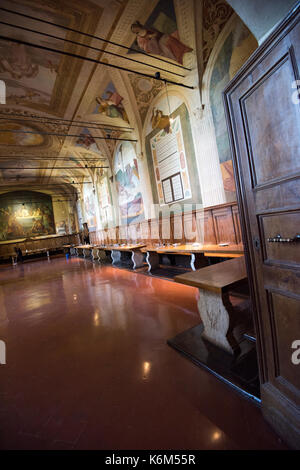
(88, 366)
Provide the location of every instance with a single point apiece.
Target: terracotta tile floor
(88, 366)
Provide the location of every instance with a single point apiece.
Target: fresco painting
(29, 73)
(236, 49)
(12, 138)
(89, 205)
(159, 120)
(64, 217)
(128, 184)
(171, 156)
(25, 214)
(159, 35)
(105, 201)
(87, 141)
(110, 104)
(170, 164)
(72, 222)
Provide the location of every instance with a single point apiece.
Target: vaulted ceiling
(56, 119)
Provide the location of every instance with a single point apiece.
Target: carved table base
(224, 325)
(152, 259)
(137, 258)
(115, 256)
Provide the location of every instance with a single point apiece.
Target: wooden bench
(224, 325)
(32, 247)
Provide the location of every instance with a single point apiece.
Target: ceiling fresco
(41, 80)
(216, 13)
(65, 92)
(18, 134)
(145, 90)
(110, 104)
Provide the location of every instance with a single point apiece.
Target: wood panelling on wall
(51, 242)
(211, 226)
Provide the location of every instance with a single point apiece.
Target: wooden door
(263, 116)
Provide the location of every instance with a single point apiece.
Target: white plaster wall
(261, 17)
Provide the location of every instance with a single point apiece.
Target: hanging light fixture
(170, 118)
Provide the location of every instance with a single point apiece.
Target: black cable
(53, 168)
(23, 120)
(47, 157)
(111, 127)
(89, 59)
(18, 178)
(67, 28)
(15, 131)
(89, 47)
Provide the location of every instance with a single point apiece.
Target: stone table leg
(72, 251)
(137, 258)
(115, 256)
(102, 256)
(79, 251)
(222, 323)
(152, 259)
(95, 254)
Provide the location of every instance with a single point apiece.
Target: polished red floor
(88, 366)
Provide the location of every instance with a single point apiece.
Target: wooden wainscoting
(51, 242)
(211, 226)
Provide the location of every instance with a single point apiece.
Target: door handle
(280, 239)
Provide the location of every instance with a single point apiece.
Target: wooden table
(223, 325)
(197, 253)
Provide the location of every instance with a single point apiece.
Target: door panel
(272, 142)
(264, 127)
(285, 319)
(284, 224)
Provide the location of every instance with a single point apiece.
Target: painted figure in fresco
(72, 222)
(24, 220)
(130, 198)
(153, 41)
(160, 121)
(18, 63)
(9, 225)
(112, 106)
(47, 219)
(14, 227)
(86, 140)
(38, 226)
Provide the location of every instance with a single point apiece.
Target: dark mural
(25, 214)
(236, 49)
